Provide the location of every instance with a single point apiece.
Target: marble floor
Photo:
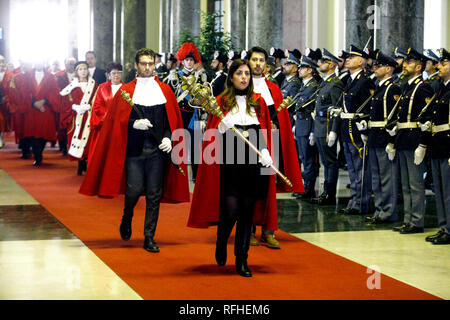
(41, 259)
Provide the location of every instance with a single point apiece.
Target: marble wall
(103, 13)
(238, 22)
(185, 16)
(294, 24)
(165, 32)
(358, 21)
(265, 23)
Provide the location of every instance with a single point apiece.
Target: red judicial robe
(62, 81)
(18, 103)
(290, 166)
(5, 115)
(106, 175)
(206, 200)
(68, 116)
(102, 102)
(40, 124)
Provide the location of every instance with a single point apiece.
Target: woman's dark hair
(228, 97)
(144, 52)
(113, 65)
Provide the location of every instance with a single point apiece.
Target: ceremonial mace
(202, 98)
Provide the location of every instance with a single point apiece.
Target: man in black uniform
(440, 151)
(279, 55)
(217, 65)
(411, 141)
(98, 74)
(291, 84)
(431, 69)
(326, 127)
(383, 165)
(308, 153)
(399, 77)
(356, 100)
(160, 68)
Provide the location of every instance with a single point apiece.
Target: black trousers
(37, 147)
(144, 175)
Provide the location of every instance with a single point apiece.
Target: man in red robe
(289, 164)
(39, 117)
(5, 116)
(103, 100)
(130, 156)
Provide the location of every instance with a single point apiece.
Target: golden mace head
(286, 102)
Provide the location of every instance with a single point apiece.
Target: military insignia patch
(427, 100)
(396, 97)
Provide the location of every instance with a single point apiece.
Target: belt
(440, 128)
(350, 115)
(407, 125)
(322, 114)
(377, 124)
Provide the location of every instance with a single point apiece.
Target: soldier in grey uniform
(326, 128)
(411, 141)
(291, 84)
(305, 105)
(383, 165)
(440, 151)
(356, 100)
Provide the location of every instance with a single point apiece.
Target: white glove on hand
(202, 125)
(142, 124)
(419, 154)
(76, 108)
(225, 124)
(312, 139)
(392, 132)
(390, 151)
(335, 112)
(332, 138)
(266, 159)
(166, 145)
(362, 125)
(173, 75)
(313, 115)
(425, 126)
(85, 108)
(449, 162)
(364, 138)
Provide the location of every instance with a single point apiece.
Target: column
(134, 28)
(264, 24)
(164, 26)
(359, 22)
(294, 24)
(103, 13)
(237, 12)
(402, 25)
(185, 18)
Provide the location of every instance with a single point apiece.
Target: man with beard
(217, 65)
(399, 77)
(278, 74)
(291, 84)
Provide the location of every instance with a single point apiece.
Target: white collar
(260, 86)
(354, 75)
(305, 81)
(383, 81)
(328, 76)
(289, 78)
(413, 79)
(446, 83)
(148, 92)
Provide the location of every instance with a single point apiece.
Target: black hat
(315, 55)
(431, 56)
(158, 55)
(344, 55)
(326, 55)
(292, 59)
(415, 55)
(355, 51)
(383, 60)
(233, 55)
(373, 54)
(399, 53)
(219, 56)
(271, 61)
(172, 58)
(81, 62)
(306, 62)
(277, 53)
(445, 55)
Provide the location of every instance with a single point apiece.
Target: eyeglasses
(115, 73)
(147, 64)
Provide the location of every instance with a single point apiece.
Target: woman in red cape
(213, 202)
(106, 170)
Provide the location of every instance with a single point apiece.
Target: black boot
(329, 199)
(150, 245)
(125, 227)
(223, 233)
(242, 268)
(309, 193)
(241, 247)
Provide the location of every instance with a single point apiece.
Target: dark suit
(218, 83)
(290, 88)
(99, 76)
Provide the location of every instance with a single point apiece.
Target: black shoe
(296, 194)
(307, 195)
(319, 198)
(380, 221)
(125, 229)
(221, 255)
(369, 218)
(399, 228)
(349, 211)
(434, 236)
(444, 238)
(37, 163)
(327, 200)
(242, 269)
(411, 229)
(150, 245)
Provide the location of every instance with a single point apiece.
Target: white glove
(364, 138)
(390, 151)
(173, 75)
(332, 138)
(335, 112)
(225, 124)
(425, 126)
(266, 159)
(392, 132)
(76, 108)
(313, 115)
(362, 125)
(202, 125)
(142, 124)
(419, 154)
(449, 162)
(166, 145)
(312, 139)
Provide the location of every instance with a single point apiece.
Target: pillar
(237, 12)
(359, 22)
(185, 18)
(103, 14)
(164, 26)
(264, 24)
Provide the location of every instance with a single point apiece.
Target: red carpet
(185, 268)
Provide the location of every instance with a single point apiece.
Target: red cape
(204, 210)
(106, 177)
(5, 113)
(290, 166)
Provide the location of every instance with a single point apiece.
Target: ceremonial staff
(202, 97)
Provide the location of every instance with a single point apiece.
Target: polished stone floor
(41, 259)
